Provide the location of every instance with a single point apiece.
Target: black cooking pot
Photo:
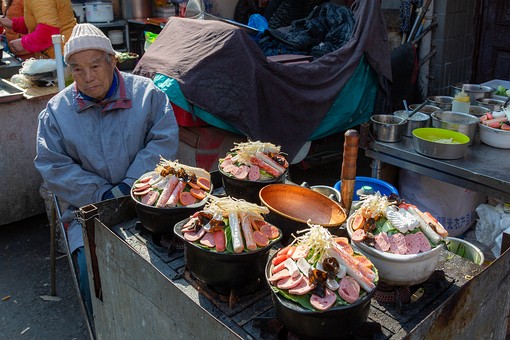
(246, 189)
(338, 322)
(162, 220)
(224, 270)
(291, 206)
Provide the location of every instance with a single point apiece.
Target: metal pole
(57, 46)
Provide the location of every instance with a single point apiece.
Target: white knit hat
(87, 37)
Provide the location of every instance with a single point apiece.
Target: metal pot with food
(403, 242)
(321, 288)
(250, 166)
(227, 243)
(169, 194)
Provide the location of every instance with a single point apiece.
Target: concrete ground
(25, 279)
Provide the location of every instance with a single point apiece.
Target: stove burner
(391, 294)
(230, 301)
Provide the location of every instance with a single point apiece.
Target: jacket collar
(119, 100)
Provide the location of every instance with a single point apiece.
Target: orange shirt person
(41, 19)
(14, 9)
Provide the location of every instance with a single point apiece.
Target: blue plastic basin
(383, 187)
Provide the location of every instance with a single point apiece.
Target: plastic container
(461, 102)
(383, 187)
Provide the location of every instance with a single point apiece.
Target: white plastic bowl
(399, 270)
(494, 137)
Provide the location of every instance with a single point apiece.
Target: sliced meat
(359, 235)
(323, 303)
(349, 289)
(291, 267)
(254, 173)
(193, 236)
(400, 243)
(382, 242)
(242, 172)
(278, 267)
(141, 186)
(142, 192)
(219, 240)
(186, 198)
(302, 288)
(280, 275)
(208, 240)
(270, 231)
(260, 239)
(289, 282)
(412, 243)
(150, 198)
(301, 251)
(423, 241)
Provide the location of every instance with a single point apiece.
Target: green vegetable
(502, 91)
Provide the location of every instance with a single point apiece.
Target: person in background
(100, 134)
(12, 9)
(41, 19)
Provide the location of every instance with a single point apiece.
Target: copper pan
(291, 206)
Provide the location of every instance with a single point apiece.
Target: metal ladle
(413, 112)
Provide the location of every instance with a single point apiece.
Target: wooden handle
(348, 174)
(350, 155)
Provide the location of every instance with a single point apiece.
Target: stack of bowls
(490, 103)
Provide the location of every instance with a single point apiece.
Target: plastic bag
(258, 22)
(492, 222)
(453, 206)
(149, 39)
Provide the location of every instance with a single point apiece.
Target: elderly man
(100, 134)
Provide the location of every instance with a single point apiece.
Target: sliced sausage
(186, 198)
(278, 267)
(199, 194)
(423, 241)
(278, 276)
(359, 235)
(343, 242)
(399, 243)
(219, 240)
(349, 289)
(151, 197)
(242, 172)
(142, 192)
(167, 191)
(193, 236)
(279, 259)
(302, 288)
(270, 231)
(254, 173)
(208, 240)
(323, 303)
(413, 245)
(289, 282)
(174, 197)
(260, 239)
(256, 224)
(247, 232)
(140, 186)
(382, 242)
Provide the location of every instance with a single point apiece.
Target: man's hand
(117, 191)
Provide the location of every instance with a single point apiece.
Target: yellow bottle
(461, 102)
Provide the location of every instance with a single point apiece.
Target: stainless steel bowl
(474, 91)
(478, 111)
(418, 120)
(490, 103)
(442, 102)
(440, 143)
(387, 128)
(427, 109)
(456, 121)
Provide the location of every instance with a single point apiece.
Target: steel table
(483, 169)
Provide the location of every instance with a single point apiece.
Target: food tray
(9, 92)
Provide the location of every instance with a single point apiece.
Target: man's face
(92, 72)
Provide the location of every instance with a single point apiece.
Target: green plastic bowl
(440, 143)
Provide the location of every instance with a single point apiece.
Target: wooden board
(36, 92)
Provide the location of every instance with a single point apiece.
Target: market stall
(143, 289)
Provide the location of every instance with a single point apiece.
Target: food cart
(142, 289)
